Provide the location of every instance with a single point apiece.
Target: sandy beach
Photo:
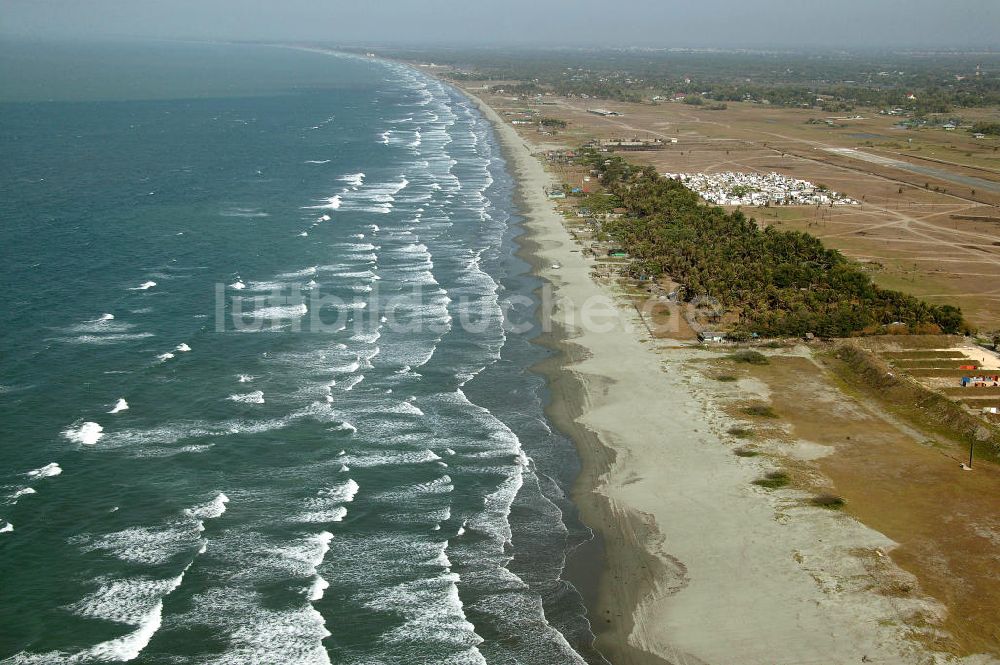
(701, 566)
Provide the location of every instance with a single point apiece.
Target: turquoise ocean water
(258, 403)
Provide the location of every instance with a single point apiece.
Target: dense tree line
(942, 83)
(778, 282)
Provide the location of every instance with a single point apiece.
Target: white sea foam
(349, 368)
(255, 632)
(321, 512)
(345, 427)
(47, 471)
(317, 161)
(22, 492)
(299, 274)
(145, 286)
(354, 179)
(319, 586)
(391, 458)
(238, 285)
(105, 340)
(87, 434)
(256, 397)
(246, 378)
(135, 602)
(145, 545)
(330, 203)
(248, 213)
(281, 312)
(6, 527)
(343, 493)
(367, 338)
(352, 381)
(210, 510)
(407, 408)
(107, 317)
(120, 405)
(163, 357)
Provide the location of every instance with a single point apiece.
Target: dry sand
(702, 566)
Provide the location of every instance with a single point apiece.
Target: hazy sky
(825, 23)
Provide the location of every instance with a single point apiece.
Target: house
(711, 336)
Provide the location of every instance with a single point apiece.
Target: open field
(931, 229)
(892, 477)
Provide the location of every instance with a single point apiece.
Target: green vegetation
(553, 123)
(741, 432)
(988, 128)
(746, 452)
(726, 378)
(750, 357)
(600, 203)
(779, 283)
(773, 480)
(828, 501)
(760, 411)
(834, 82)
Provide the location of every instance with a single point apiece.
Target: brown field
(897, 480)
(943, 246)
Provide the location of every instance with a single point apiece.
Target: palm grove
(779, 283)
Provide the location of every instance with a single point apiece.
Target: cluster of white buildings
(757, 189)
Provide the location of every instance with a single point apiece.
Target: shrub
(750, 357)
(746, 452)
(773, 480)
(828, 501)
(741, 432)
(726, 378)
(760, 411)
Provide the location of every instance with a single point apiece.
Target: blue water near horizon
(356, 470)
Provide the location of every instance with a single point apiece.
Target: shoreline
(700, 566)
(612, 597)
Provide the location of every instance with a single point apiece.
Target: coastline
(699, 565)
(616, 590)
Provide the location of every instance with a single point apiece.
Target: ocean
(265, 383)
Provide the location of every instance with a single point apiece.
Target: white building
(758, 189)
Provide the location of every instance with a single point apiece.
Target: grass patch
(750, 357)
(746, 452)
(726, 378)
(741, 432)
(923, 355)
(830, 501)
(773, 480)
(760, 411)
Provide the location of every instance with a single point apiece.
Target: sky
(659, 23)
